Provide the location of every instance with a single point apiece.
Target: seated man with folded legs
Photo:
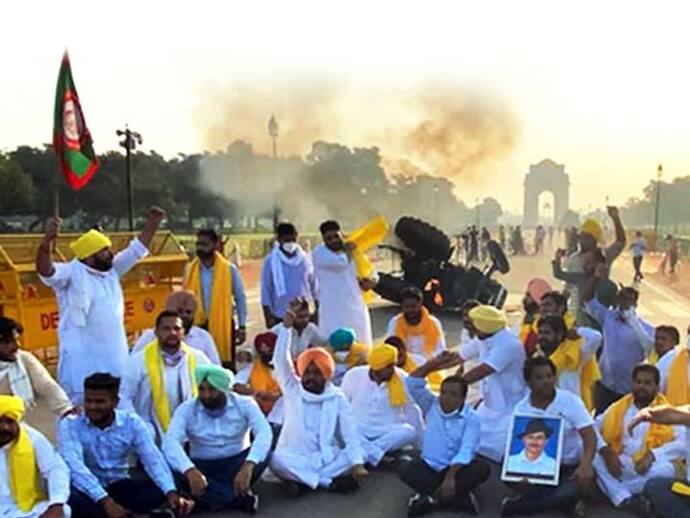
(626, 461)
(221, 466)
(28, 463)
(448, 469)
(385, 416)
(318, 444)
(98, 445)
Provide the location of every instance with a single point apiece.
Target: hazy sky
(603, 87)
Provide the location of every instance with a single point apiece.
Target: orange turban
(320, 357)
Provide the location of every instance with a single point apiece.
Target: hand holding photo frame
(533, 450)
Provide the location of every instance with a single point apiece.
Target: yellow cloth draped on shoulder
(677, 391)
(364, 239)
(219, 318)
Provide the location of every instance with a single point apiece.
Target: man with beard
(221, 466)
(183, 302)
(287, 274)
(28, 464)
(627, 461)
(258, 380)
(98, 445)
(340, 290)
(422, 333)
(91, 332)
(579, 445)
(318, 445)
(23, 375)
(305, 334)
(161, 377)
(217, 283)
(386, 417)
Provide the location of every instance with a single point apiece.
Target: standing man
(183, 302)
(161, 377)
(98, 445)
(639, 247)
(217, 283)
(341, 292)
(91, 331)
(221, 466)
(288, 273)
(28, 464)
(24, 376)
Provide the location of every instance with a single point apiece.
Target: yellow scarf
(220, 319)
(426, 327)
(677, 386)
(612, 427)
(24, 481)
(154, 368)
(261, 380)
(356, 355)
(567, 357)
(366, 238)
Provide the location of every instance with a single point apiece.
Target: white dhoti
(376, 446)
(631, 482)
(307, 469)
(36, 512)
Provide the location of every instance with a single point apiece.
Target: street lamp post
(659, 172)
(477, 211)
(273, 132)
(129, 142)
(437, 218)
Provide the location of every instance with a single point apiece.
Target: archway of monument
(547, 206)
(546, 176)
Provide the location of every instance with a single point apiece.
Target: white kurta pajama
(415, 343)
(341, 301)
(318, 441)
(631, 482)
(381, 427)
(136, 395)
(91, 331)
(52, 471)
(500, 391)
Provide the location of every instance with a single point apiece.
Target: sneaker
(637, 505)
(419, 505)
(511, 505)
(249, 503)
(344, 485)
(468, 504)
(580, 510)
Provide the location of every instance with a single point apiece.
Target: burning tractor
(426, 263)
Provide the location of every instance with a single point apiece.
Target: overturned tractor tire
(390, 287)
(425, 240)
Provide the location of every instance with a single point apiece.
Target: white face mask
(290, 247)
(341, 356)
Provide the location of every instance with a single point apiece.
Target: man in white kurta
(177, 361)
(619, 450)
(672, 384)
(51, 469)
(500, 357)
(305, 334)
(341, 299)
(422, 332)
(318, 443)
(91, 331)
(184, 303)
(383, 423)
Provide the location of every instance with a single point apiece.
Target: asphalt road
(382, 494)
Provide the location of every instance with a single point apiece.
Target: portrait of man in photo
(532, 451)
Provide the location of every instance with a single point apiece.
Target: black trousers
(637, 264)
(425, 480)
(140, 496)
(604, 397)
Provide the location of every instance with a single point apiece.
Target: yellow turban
(593, 228)
(26, 490)
(381, 357)
(89, 243)
(12, 407)
(487, 319)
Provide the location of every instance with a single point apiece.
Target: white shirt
(575, 417)
(341, 301)
(542, 465)
(311, 336)
(591, 341)
(214, 438)
(668, 452)
(136, 395)
(197, 338)
(664, 366)
(371, 407)
(415, 343)
(91, 331)
(53, 471)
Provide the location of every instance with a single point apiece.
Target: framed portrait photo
(533, 449)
